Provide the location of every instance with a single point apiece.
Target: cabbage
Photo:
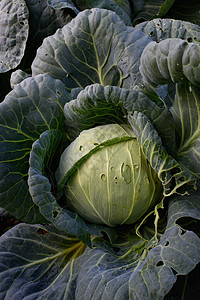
(111, 181)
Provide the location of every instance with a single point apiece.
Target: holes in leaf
(151, 33)
(159, 263)
(174, 271)
(96, 144)
(42, 231)
(55, 214)
(189, 223)
(182, 231)
(189, 39)
(166, 244)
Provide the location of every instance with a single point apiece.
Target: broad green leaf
(121, 7)
(46, 263)
(172, 175)
(43, 21)
(161, 29)
(186, 112)
(17, 77)
(164, 8)
(148, 9)
(152, 275)
(171, 60)
(97, 105)
(185, 10)
(44, 159)
(59, 4)
(95, 47)
(125, 5)
(33, 106)
(14, 33)
(37, 262)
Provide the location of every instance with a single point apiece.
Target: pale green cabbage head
(107, 178)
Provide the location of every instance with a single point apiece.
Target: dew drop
(112, 169)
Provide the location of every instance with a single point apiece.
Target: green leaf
(161, 29)
(171, 60)
(14, 33)
(43, 21)
(33, 106)
(185, 10)
(97, 105)
(170, 172)
(38, 262)
(121, 7)
(42, 262)
(17, 77)
(95, 47)
(43, 155)
(148, 277)
(125, 5)
(164, 8)
(59, 4)
(148, 9)
(186, 112)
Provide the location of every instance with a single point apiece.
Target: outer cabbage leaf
(184, 10)
(171, 60)
(148, 9)
(95, 47)
(175, 60)
(41, 262)
(30, 108)
(186, 112)
(98, 105)
(42, 162)
(171, 173)
(43, 21)
(59, 4)
(121, 7)
(14, 33)
(38, 262)
(125, 5)
(161, 29)
(44, 159)
(17, 77)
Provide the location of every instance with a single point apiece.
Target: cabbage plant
(99, 160)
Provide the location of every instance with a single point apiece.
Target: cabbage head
(106, 177)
